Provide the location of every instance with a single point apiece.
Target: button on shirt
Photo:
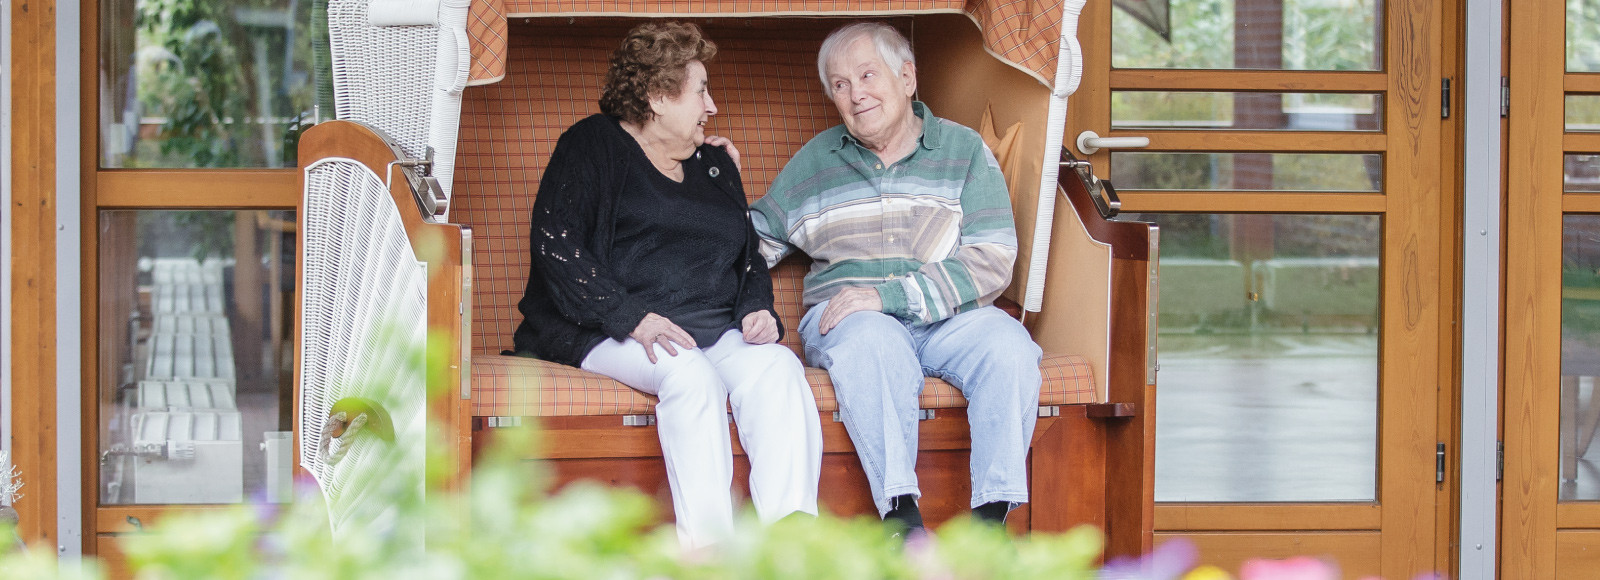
(932, 233)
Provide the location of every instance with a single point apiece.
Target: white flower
(10, 481)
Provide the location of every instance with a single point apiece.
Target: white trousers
(772, 404)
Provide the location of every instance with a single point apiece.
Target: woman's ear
(658, 105)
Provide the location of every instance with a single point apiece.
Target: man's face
(873, 99)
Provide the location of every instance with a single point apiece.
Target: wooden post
(33, 257)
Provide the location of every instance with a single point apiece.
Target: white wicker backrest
(363, 319)
(403, 79)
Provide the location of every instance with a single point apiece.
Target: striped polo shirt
(933, 232)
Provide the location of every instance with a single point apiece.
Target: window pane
(1253, 111)
(1580, 357)
(1581, 173)
(1247, 171)
(1583, 112)
(195, 380)
(1269, 357)
(223, 83)
(1583, 36)
(1252, 34)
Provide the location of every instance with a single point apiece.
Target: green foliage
(200, 86)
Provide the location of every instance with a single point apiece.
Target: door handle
(1089, 142)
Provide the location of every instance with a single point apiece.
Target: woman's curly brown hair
(653, 60)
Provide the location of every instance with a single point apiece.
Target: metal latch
(1100, 191)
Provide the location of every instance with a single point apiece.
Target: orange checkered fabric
(486, 32)
(1024, 32)
(509, 386)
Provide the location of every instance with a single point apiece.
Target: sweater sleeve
(576, 197)
(772, 221)
(980, 268)
(757, 287)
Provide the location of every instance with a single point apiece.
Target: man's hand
(657, 329)
(726, 144)
(846, 302)
(760, 327)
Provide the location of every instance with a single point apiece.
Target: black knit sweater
(614, 239)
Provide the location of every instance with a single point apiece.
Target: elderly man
(909, 225)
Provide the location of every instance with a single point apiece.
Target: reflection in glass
(1254, 34)
(1580, 357)
(1583, 36)
(1583, 112)
(221, 83)
(1580, 172)
(1253, 111)
(1269, 357)
(195, 378)
(1247, 171)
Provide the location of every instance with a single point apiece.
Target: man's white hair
(893, 48)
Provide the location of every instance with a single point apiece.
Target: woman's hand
(727, 145)
(657, 329)
(760, 327)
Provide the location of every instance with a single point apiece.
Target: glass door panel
(220, 83)
(1580, 357)
(1253, 34)
(195, 396)
(1269, 358)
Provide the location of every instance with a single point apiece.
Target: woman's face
(681, 119)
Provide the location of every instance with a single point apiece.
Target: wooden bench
(1092, 455)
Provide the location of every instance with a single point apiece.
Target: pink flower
(1297, 568)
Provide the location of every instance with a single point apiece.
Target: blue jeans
(877, 363)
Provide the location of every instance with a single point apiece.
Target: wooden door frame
(1534, 521)
(32, 246)
(1417, 297)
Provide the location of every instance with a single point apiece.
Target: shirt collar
(930, 130)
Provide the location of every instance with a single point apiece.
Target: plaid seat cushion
(509, 386)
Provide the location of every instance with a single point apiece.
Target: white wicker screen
(363, 334)
(1069, 73)
(405, 80)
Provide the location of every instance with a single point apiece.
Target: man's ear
(908, 76)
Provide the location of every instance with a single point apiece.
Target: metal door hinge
(1499, 460)
(1505, 97)
(1444, 100)
(1438, 466)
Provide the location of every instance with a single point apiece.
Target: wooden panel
(232, 189)
(133, 518)
(1582, 83)
(1356, 553)
(1265, 141)
(1532, 315)
(1243, 80)
(1412, 305)
(1578, 515)
(1135, 201)
(32, 170)
(1577, 554)
(1286, 517)
(1580, 203)
(1580, 142)
(108, 549)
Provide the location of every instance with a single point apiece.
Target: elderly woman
(647, 270)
